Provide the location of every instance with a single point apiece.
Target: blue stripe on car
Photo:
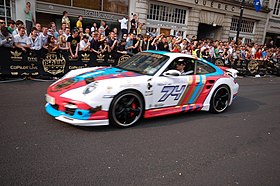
(196, 89)
(100, 72)
(78, 114)
(157, 52)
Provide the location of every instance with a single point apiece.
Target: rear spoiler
(230, 71)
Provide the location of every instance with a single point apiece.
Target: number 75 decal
(175, 91)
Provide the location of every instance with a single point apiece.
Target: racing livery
(146, 85)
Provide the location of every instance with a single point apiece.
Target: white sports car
(149, 84)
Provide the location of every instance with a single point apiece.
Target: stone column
(259, 31)
(193, 22)
(141, 9)
(226, 27)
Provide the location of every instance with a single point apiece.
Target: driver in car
(181, 66)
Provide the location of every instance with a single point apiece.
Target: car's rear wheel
(126, 109)
(220, 99)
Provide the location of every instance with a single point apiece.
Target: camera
(9, 39)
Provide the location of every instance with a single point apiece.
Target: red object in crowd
(258, 55)
(176, 50)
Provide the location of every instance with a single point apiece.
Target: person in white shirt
(254, 50)
(123, 22)
(84, 44)
(183, 44)
(19, 23)
(38, 27)
(35, 40)
(103, 27)
(94, 27)
(67, 33)
(44, 36)
(87, 33)
(21, 40)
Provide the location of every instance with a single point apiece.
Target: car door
(170, 90)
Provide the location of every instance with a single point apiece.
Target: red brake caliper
(134, 107)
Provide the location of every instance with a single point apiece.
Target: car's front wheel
(220, 99)
(126, 109)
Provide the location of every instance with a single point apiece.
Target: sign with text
(16, 62)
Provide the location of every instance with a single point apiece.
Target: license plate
(50, 99)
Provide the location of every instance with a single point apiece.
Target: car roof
(170, 54)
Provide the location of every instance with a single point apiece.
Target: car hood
(84, 78)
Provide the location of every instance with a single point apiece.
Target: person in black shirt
(73, 43)
(133, 24)
(121, 47)
(151, 44)
(206, 55)
(136, 44)
(113, 43)
(144, 43)
(163, 45)
(95, 44)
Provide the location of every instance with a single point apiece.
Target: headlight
(91, 87)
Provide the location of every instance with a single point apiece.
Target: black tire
(220, 99)
(126, 109)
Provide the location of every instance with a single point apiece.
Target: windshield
(144, 63)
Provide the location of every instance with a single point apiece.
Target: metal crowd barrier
(252, 67)
(16, 63)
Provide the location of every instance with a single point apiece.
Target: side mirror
(171, 73)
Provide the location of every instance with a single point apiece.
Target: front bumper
(73, 120)
(235, 91)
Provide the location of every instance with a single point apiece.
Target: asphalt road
(238, 147)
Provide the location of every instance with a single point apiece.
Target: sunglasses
(2, 22)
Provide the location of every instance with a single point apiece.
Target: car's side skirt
(172, 110)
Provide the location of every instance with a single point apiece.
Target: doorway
(165, 31)
(211, 32)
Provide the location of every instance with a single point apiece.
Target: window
(89, 4)
(151, 30)
(276, 8)
(116, 6)
(62, 2)
(5, 10)
(167, 13)
(187, 67)
(247, 26)
(144, 63)
(203, 68)
(230, 38)
(247, 40)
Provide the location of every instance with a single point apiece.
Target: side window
(203, 68)
(186, 69)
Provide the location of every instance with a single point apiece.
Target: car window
(144, 63)
(203, 68)
(188, 68)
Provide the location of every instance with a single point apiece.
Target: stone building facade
(203, 19)
(273, 23)
(213, 19)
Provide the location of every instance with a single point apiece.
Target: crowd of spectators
(103, 39)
